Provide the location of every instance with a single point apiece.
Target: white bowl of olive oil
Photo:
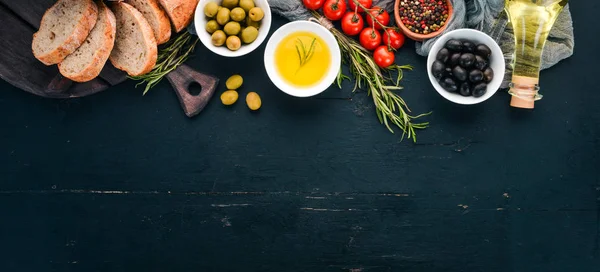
(302, 58)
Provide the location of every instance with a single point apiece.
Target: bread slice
(156, 17)
(181, 12)
(64, 27)
(88, 60)
(135, 49)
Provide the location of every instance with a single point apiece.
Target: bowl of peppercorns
(422, 19)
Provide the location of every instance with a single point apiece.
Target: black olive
(475, 76)
(443, 55)
(438, 69)
(448, 71)
(488, 75)
(454, 45)
(467, 60)
(465, 89)
(480, 63)
(479, 90)
(484, 51)
(454, 59)
(449, 85)
(468, 47)
(459, 73)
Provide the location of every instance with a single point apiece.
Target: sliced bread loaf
(135, 49)
(181, 12)
(63, 29)
(156, 17)
(88, 60)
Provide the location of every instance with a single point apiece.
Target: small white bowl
(200, 21)
(323, 33)
(496, 63)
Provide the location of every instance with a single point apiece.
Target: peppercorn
(423, 16)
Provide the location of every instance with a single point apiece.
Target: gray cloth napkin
(476, 14)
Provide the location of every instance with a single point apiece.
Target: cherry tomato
(365, 3)
(313, 4)
(382, 16)
(396, 39)
(352, 23)
(370, 38)
(334, 9)
(383, 57)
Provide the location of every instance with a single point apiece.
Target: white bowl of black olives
(466, 66)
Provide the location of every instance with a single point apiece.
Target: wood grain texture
(119, 182)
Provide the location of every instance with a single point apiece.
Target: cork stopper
(524, 92)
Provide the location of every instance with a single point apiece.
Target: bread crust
(150, 42)
(75, 39)
(163, 32)
(101, 55)
(181, 12)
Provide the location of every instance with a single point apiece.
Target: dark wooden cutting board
(19, 20)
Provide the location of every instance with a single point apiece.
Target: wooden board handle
(181, 78)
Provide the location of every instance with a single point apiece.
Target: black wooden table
(124, 182)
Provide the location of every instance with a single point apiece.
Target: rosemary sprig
(379, 83)
(305, 55)
(174, 53)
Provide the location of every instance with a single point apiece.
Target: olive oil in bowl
(302, 58)
(531, 21)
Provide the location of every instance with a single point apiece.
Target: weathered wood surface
(119, 182)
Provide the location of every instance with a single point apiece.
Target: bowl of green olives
(232, 28)
(466, 66)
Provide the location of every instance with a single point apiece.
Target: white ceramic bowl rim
(496, 63)
(205, 37)
(320, 31)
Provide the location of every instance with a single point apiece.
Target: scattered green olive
(256, 14)
(211, 9)
(253, 101)
(229, 97)
(218, 38)
(223, 16)
(234, 82)
(249, 34)
(212, 26)
(232, 28)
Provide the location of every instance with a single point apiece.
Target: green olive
(229, 97)
(249, 22)
(234, 82)
(233, 43)
(230, 3)
(253, 101)
(246, 5)
(223, 16)
(249, 34)
(232, 28)
(237, 14)
(256, 14)
(212, 26)
(218, 38)
(211, 9)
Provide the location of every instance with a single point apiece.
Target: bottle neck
(524, 92)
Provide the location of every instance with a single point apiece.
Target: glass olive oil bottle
(531, 21)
